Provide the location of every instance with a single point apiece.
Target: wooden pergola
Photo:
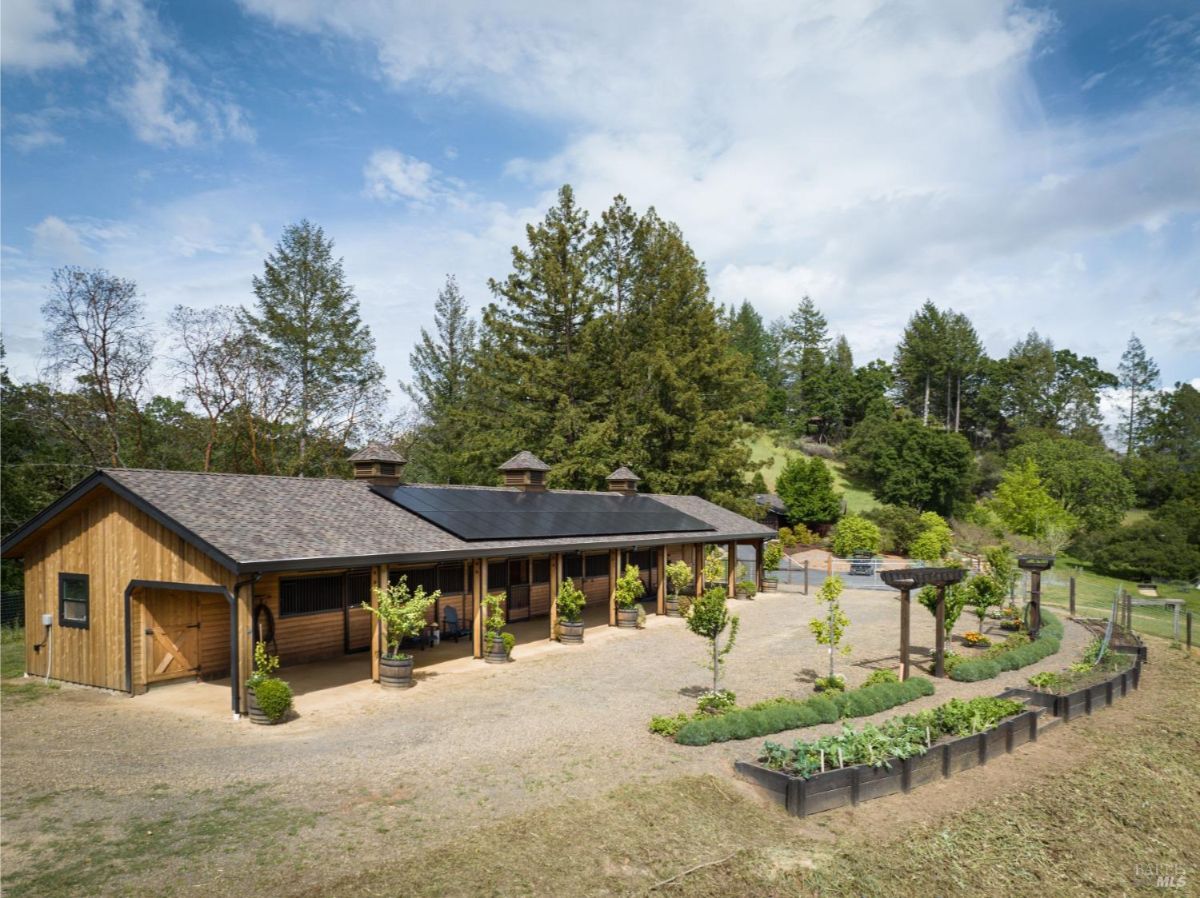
(907, 579)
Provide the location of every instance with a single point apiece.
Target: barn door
(172, 634)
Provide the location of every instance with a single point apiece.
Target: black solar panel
(481, 514)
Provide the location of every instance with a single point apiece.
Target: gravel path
(561, 722)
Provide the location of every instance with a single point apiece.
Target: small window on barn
(451, 579)
(541, 570)
(572, 565)
(596, 565)
(73, 600)
(310, 595)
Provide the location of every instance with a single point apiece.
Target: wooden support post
(939, 652)
(905, 617)
(805, 576)
(613, 555)
(380, 582)
(661, 572)
(555, 580)
(698, 569)
(1072, 596)
(758, 565)
(1035, 603)
(731, 564)
(245, 634)
(478, 586)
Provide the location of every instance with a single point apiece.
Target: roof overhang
(14, 544)
(531, 548)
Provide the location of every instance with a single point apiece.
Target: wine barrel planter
(255, 712)
(627, 618)
(570, 632)
(496, 653)
(396, 673)
(770, 584)
(673, 607)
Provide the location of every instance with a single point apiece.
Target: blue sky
(1036, 166)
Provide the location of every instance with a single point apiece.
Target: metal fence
(12, 609)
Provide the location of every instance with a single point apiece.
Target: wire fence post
(806, 576)
(1189, 631)
(1072, 593)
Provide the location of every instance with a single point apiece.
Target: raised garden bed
(1086, 699)
(851, 785)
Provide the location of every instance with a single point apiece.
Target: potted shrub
(497, 643)
(976, 640)
(746, 589)
(570, 612)
(268, 698)
(629, 589)
(714, 569)
(679, 575)
(772, 557)
(403, 615)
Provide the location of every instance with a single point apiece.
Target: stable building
(137, 577)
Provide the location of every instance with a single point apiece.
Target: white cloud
(161, 103)
(54, 238)
(390, 175)
(869, 152)
(36, 36)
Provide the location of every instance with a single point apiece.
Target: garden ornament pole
(939, 652)
(1035, 564)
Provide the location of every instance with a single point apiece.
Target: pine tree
(918, 364)
(805, 346)
(308, 319)
(1139, 376)
(440, 366)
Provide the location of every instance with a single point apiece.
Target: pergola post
(377, 630)
(698, 571)
(479, 587)
(612, 586)
(905, 620)
(555, 575)
(661, 572)
(758, 565)
(731, 570)
(939, 652)
(1035, 564)
(245, 640)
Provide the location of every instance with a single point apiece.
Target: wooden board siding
(539, 599)
(112, 542)
(214, 636)
(596, 589)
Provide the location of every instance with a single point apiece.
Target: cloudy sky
(1036, 166)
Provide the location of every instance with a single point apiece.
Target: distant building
(776, 512)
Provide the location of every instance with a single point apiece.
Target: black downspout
(129, 638)
(234, 668)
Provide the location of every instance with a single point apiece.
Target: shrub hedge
(781, 714)
(1049, 640)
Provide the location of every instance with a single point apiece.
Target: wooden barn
(137, 577)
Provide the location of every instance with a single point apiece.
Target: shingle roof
(378, 452)
(622, 473)
(524, 461)
(263, 522)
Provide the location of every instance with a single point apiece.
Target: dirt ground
(103, 794)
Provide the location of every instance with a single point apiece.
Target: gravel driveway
(562, 721)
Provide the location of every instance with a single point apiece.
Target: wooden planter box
(1083, 701)
(850, 785)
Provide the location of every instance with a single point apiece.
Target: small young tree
(629, 587)
(957, 597)
(772, 556)
(709, 617)
(679, 574)
(855, 534)
(570, 602)
(985, 591)
(402, 613)
(714, 567)
(831, 628)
